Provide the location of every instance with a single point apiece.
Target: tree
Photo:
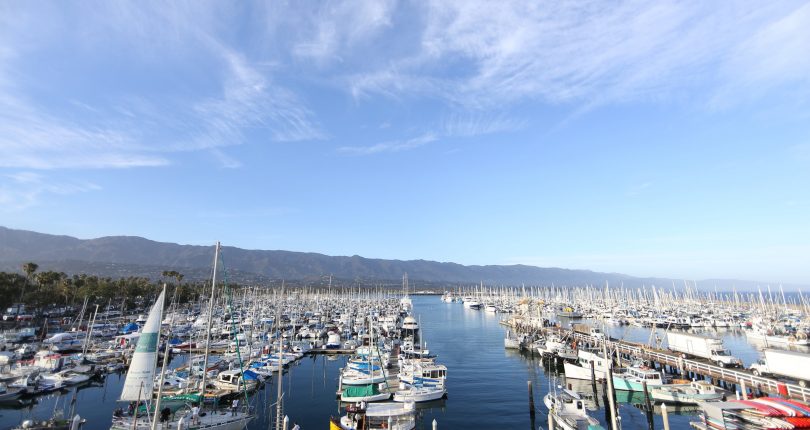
(29, 268)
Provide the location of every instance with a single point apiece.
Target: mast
(163, 368)
(208, 328)
(280, 363)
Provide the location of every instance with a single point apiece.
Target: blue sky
(649, 138)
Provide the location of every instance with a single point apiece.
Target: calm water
(487, 385)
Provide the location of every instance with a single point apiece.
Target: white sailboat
(140, 382)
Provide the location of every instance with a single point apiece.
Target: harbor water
(487, 384)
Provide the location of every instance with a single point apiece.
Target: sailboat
(140, 381)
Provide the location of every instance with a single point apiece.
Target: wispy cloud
(249, 101)
(392, 146)
(22, 190)
(477, 124)
(338, 27)
(34, 140)
(593, 53)
(114, 133)
(455, 126)
(776, 53)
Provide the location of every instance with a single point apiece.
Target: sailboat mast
(163, 368)
(280, 358)
(210, 321)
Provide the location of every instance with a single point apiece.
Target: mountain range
(119, 256)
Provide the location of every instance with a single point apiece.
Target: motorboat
(363, 393)
(582, 368)
(690, 394)
(567, 411)
(633, 378)
(377, 416)
(420, 393)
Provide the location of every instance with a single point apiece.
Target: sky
(666, 138)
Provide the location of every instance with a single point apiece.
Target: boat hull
(575, 371)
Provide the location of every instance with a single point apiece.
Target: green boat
(633, 377)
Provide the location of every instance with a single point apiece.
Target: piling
(593, 385)
(531, 399)
(435, 424)
(550, 421)
(665, 416)
(744, 390)
(608, 412)
(612, 400)
(648, 405)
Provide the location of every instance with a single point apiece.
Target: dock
(673, 363)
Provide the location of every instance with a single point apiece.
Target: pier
(673, 363)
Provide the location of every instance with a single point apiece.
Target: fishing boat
(633, 377)
(554, 345)
(568, 312)
(689, 394)
(567, 411)
(762, 334)
(582, 368)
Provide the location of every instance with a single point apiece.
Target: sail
(141, 375)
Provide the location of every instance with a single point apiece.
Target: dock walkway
(733, 377)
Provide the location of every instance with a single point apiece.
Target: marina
(427, 357)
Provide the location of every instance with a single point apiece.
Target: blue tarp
(130, 328)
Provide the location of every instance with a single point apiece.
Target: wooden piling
(531, 399)
(608, 412)
(649, 408)
(593, 384)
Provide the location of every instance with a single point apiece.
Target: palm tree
(29, 268)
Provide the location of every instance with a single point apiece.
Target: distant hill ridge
(118, 256)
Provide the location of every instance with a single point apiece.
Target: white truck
(795, 365)
(703, 347)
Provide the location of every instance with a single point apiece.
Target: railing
(714, 371)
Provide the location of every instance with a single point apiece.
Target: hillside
(118, 256)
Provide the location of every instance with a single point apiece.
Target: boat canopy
(360, 390)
